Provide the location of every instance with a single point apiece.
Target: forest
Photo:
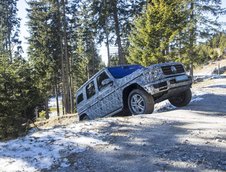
(63, 40)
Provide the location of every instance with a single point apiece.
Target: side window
(90, 90)
(80, 98)
(100, 78)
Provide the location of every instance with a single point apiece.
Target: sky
(22, 5)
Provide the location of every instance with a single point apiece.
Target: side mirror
(106, 82)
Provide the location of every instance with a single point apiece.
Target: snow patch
(47, 147)
(167, 106)
(164, 106)
(197, 99)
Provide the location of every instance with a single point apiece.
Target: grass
(54, 109)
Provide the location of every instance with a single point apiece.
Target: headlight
(153, 74)
(156, 73)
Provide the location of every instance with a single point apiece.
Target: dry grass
(56, 121)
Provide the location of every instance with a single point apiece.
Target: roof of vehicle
(122, 71)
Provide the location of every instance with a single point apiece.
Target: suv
(133, 89)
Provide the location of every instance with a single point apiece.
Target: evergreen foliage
(155, 32)
(113, 22)
(211, 50)
(18, 97)
(169, 30)
(9, 32)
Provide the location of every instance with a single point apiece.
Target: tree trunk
(9, 45)
(62, 57)
(67, 86)
(192, 39)
(47, 108)
(71, 86)
(108, 48)
(8, 39)
(71, 94)
(57, 99)
(117, 31)
(87, 71)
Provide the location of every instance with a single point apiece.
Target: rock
(186, 141)
(219, 140)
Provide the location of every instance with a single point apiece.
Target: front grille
(167, 70)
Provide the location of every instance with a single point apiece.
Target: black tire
(144, 106)
(85, 118)
(182, 99)
(126, 112)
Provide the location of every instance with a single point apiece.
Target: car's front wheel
(140, 102)
(182, 99)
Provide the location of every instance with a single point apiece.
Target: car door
(92, 103)
(109, 97)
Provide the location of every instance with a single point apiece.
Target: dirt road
(183, 139)
(171, 139)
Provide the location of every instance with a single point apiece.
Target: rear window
(79, 98)
(122, 71)
(90, 90)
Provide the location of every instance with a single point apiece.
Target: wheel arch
(127, 90)
(81, 117)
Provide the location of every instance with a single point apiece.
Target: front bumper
(170, 83)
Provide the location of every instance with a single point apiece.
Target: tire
(85, 118)
(140, 102)
(126, 112)
(182, 99)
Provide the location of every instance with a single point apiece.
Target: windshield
(122, 71)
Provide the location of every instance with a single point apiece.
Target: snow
(52, 101)
(52, 104)
(166, 105)
(197, 99)
(41, 149)
(163, 106)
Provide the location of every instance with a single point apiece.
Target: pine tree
(50, 39)
(86, 35)
(169, 30)
(155, 31)
(113, 23)
(18, 96)
(9, 28)
(41, 47)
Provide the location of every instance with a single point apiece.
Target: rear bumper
(169, 85)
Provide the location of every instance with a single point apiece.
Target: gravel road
(181, 139)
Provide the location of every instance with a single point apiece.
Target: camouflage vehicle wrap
(133, 89)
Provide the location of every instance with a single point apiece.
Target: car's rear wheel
(84, 118)
(140, 102)
(182, 99)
